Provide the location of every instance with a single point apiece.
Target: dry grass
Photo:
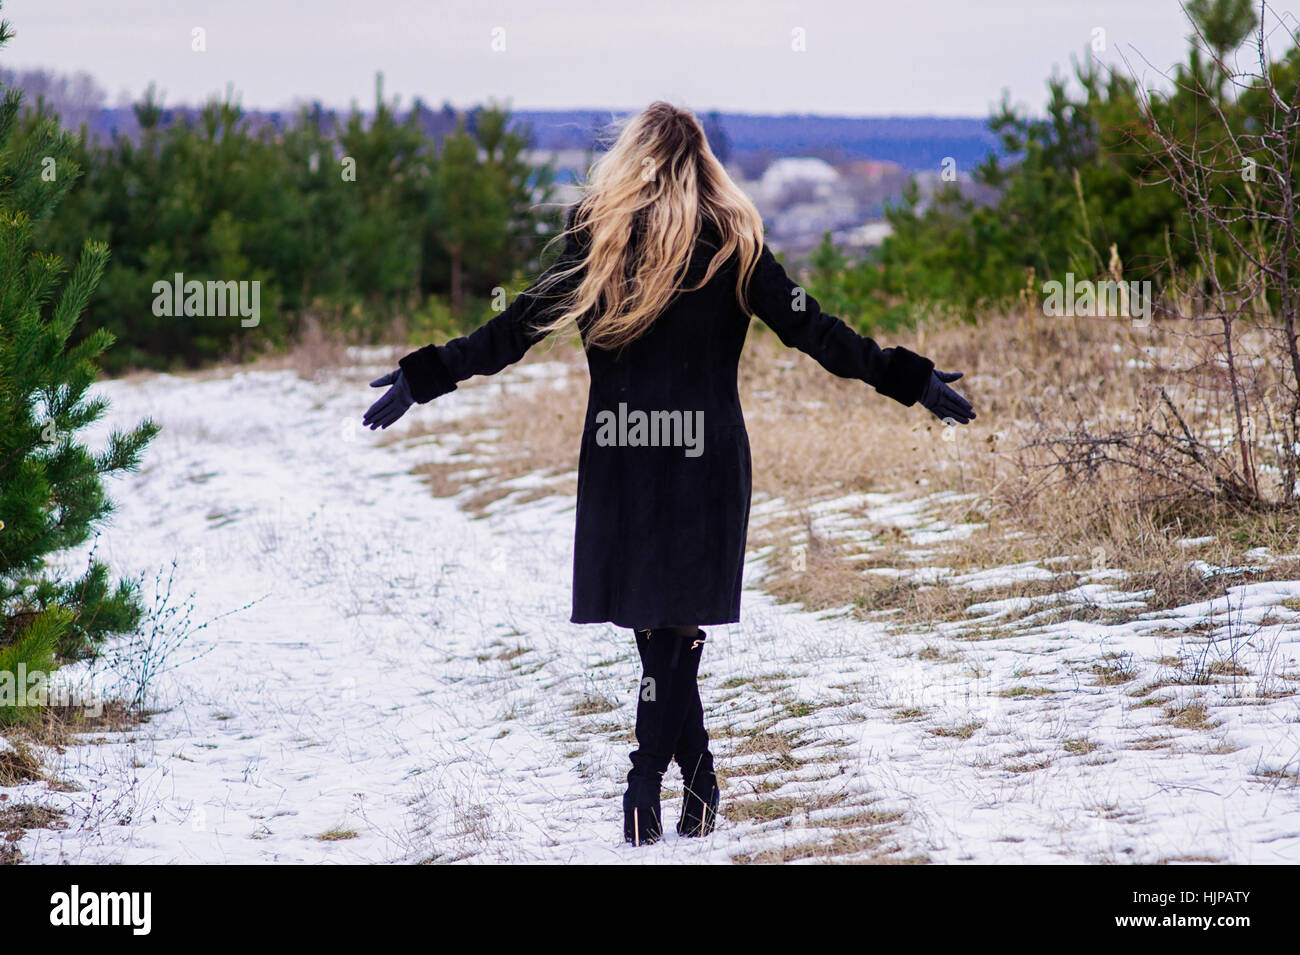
(26, 815)
(778, 746)
(1113, 673)
(592, 704)
(1080, 746)
(862, 833)
(56, 727)
(320, 345)
(337, 834)
(1014, 692)
(1028, 763)
(1195, 716)
(520, 436)
(840, 844)
(761, 809)
(18, 818)
(77, 725)
(19, 764)
(963, 731)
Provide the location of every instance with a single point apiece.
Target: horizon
(738, 64)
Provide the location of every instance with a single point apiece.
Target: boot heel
(700, 797)
(641, 812)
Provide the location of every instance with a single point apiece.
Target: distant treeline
(358, 220)
(750, 140)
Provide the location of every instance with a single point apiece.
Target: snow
(407, 673)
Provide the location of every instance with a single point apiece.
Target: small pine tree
(51, 492)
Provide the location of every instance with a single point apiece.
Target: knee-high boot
(658, 722)
(700, 784)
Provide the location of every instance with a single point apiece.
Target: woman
(663, 263)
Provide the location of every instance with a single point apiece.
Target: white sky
(864, 57)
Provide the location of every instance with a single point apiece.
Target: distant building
(803, 175)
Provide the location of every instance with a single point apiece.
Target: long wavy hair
(637, 222)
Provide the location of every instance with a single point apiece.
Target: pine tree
(471, 210)
(51, 491)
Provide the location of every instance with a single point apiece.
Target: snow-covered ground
(406, 678)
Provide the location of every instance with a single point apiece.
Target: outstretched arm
(798, 320)
(434, 370)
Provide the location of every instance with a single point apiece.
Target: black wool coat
(664, 466)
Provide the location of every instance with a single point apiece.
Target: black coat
(660, 536)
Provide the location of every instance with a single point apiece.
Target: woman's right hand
(393, 404)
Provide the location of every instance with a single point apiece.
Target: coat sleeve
(435, 370)
(799, 322)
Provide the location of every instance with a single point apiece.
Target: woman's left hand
(945, 403)
(393, 404)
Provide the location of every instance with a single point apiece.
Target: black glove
(943, 401)
(393, 404)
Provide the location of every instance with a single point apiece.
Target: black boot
(699, 797)
(699, 783)
(658, 719)
(642, 816)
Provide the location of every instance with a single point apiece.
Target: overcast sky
(862, 57)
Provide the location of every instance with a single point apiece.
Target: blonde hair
(642, 210)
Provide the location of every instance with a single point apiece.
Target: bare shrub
(1218, 417)
(153, 648)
